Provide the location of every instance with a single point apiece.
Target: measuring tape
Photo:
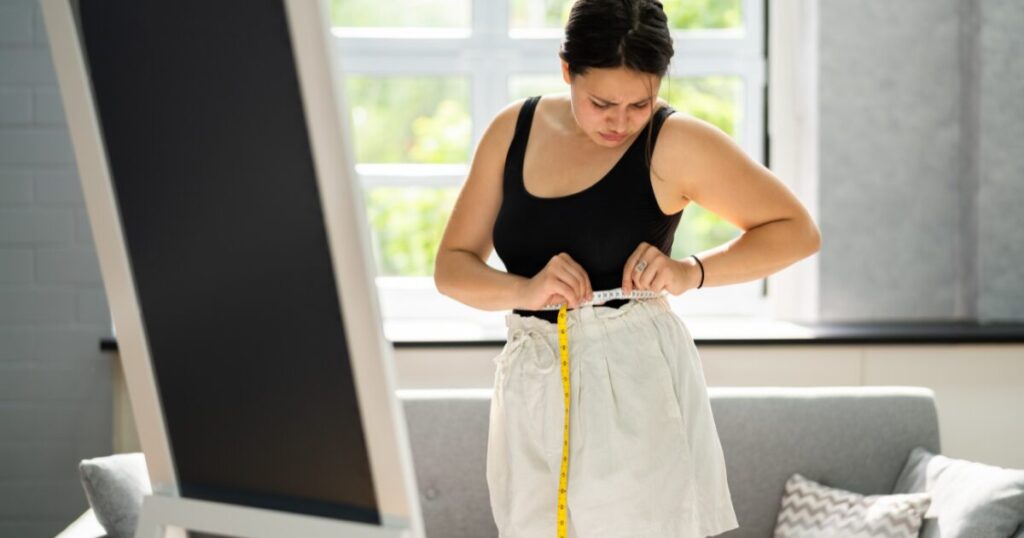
(563, 346)
(608, 295)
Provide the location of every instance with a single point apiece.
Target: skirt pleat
(645, 460)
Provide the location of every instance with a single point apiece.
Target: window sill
(731, 331)
(727, 331)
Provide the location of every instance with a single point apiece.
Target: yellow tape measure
(563, 481)
(563, 346)
(608, 295)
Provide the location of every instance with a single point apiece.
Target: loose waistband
(575, 316)
(551, 316)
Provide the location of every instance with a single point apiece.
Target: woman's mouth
(612, 137)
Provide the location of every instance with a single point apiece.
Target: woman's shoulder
(498, 134)
(553, 104)
(681, 127)
(514, 109)
(506, 118)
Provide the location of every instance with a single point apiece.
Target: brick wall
(55, 384)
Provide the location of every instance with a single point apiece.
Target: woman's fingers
(585, 288)
(651, 268)
(567, 283)
(563, 292)
(641, 269)
(577, 275)
(567, 276)
(660, 281)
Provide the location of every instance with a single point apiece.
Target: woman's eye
(599, 105)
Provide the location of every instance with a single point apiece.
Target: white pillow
(813, 510)
(968, 498)
(115, 486)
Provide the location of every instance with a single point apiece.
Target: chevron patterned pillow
(813, 510)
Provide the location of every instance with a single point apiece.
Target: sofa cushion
(115, 486)
(810, 509)
(969, 498)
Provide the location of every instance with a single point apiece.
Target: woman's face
(611, 104)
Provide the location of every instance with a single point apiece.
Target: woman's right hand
(561, 280)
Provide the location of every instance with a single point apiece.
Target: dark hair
(615, 33)
(618, 33)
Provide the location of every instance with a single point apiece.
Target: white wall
(979, 388)
(55, 384)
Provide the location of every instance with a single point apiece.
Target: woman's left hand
(659, 272)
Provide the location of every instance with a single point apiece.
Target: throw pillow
(968, 498)
(115, 486)
(814, 510)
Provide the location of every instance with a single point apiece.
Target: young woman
(575, 195)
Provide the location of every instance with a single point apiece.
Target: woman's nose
(617, 122)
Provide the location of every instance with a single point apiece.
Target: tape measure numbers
(563, 346)
(563, 480)
(609, 295)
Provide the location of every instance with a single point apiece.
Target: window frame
(488, 53)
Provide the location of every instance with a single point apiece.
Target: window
(424, 77)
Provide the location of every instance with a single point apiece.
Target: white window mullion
(754, 79)
(488, 92)
(487, 54)
(395, 63)
(411, 175)
(753, 27)
(793, 124)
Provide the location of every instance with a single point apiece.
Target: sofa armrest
(85, 526)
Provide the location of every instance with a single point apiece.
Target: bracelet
(701, 270)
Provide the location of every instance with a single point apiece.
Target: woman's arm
(709, 168)
(460, 268)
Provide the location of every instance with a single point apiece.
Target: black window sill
(754, 333)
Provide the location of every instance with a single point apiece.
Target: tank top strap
(659, 118)
(517, 149)
(636, 150)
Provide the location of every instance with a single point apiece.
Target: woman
(575, 196)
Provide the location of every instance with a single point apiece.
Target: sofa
(856, 438)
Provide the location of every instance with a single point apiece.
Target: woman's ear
(565, 72)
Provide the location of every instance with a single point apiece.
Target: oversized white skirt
(645, 460)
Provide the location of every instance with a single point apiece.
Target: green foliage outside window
(409, 119)
(419, 119)
(408, 223)
(400, 13)
(703, 14)
(716, 100)
(682, 14)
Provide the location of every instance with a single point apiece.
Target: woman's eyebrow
(614, 103)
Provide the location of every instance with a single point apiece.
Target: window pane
(538, 13)
(529, 85)
(400, 13)
(682, 14)
(406, 226)
(715, 99)
(409, 119)
(704, 14)
(700, 229)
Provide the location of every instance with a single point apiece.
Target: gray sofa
(855, 438)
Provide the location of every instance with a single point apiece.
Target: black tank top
(599, 227)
